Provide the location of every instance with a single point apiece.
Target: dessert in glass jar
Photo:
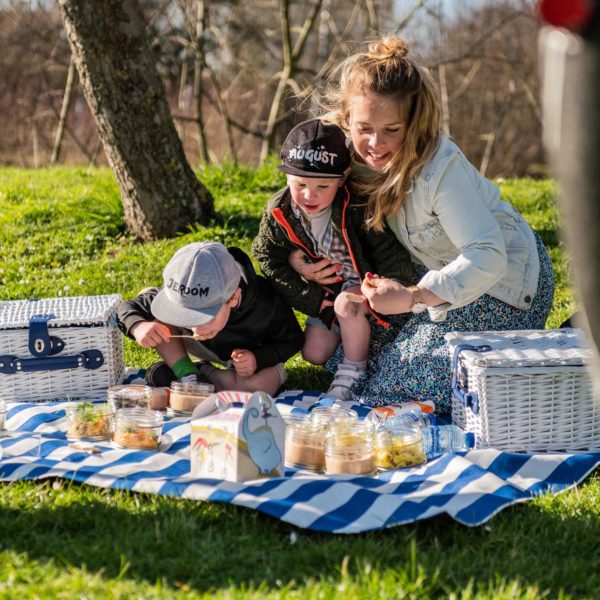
(398, 445)
(349, 449)
(129, 396)
(304, 443)
(138, 428)
(184, 397)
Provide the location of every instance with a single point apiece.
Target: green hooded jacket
(280, 233)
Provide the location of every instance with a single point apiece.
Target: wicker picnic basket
(58, 347)
(525, 390)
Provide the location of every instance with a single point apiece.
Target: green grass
(62, 232)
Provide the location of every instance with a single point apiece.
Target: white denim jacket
(453, 222)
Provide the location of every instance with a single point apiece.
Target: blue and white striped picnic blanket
(470, 487)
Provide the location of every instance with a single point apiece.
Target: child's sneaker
(159, 374)
(343, 379)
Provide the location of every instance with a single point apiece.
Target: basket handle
(89, 359)
(460, 381)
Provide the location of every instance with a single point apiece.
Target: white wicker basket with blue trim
(525, 390)
(58, 347)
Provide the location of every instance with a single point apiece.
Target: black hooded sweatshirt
(262, 323)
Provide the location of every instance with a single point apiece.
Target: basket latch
(41, 343)
(460, 378)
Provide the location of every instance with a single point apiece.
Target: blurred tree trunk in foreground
(159, 190)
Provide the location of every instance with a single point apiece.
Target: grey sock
(360, 365)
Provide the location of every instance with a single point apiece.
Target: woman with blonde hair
(481, 266)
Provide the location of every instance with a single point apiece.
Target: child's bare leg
(176, 357)
(356, 333)
(319, 344)
(171, 351)
(354, 326)
(267, 380)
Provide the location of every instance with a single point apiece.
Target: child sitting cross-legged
(319, 214)
(232, 317)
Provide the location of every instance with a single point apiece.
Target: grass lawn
(62, 233)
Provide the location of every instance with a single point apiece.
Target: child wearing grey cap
(236, 319)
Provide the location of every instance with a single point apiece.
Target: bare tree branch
(408, 18)
(306, 29)
(64, 111)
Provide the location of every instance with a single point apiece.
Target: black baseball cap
(315, 149)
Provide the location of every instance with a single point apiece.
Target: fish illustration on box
(244, 441)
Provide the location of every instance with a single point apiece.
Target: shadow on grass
(209, 546)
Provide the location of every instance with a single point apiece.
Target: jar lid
(192, 388)
(399, 434)
(139, 417)
(129, 392)
(302, 428)
(397, 427)
(325, 415)
(89, 408)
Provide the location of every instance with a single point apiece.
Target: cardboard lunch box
(244, 440)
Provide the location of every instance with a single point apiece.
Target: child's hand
(244, 362)
(323, 272)
(325, 304)
(149, 334)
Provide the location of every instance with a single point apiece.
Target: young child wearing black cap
(319, 214)
(236, 319)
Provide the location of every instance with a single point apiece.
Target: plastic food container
(304, 443)
(129, 396)
(87, 421)
(398, 445)
(326, 415)
(184, 397)
(3, 411)
(138, 428)
(349, 449)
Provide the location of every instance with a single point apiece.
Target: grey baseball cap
(198, 280)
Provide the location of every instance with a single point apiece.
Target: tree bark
(160, 193)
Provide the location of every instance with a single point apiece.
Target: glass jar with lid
(129, 396)
(304, 443)
(89, 421)
(184, 397)
(349, 449)
(397, 445)
(138, 428)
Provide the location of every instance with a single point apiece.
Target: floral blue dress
(411, 361)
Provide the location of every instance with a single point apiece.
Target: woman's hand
(324, 272)
(386, 296)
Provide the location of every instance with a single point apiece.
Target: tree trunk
(160, 193)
